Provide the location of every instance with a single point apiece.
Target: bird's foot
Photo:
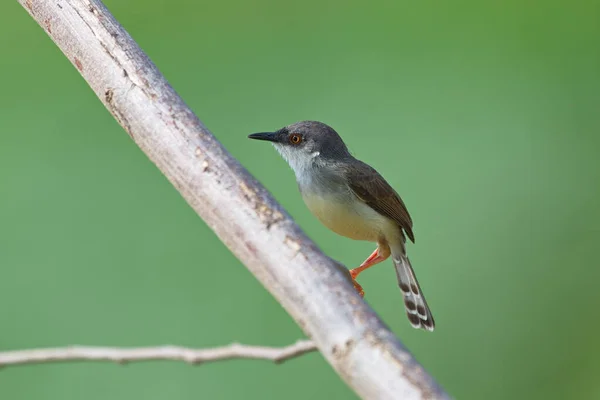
(357, 286)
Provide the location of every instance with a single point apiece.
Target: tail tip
(418, 322)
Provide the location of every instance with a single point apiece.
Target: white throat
(300, 161)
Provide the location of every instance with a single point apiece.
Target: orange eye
(295, 138)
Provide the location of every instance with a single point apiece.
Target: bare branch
(168, 353)
(313, 288)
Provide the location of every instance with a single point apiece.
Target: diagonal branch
(169, 353)
(315, 290)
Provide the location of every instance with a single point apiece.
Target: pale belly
(354, 220)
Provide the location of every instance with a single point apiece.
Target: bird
(353, 200)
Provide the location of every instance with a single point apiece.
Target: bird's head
(306, 142)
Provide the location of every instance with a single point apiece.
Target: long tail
(417, 310)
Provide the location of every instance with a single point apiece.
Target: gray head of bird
(306, 143)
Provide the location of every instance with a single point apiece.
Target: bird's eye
(295, 138)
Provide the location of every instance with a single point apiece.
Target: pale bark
(161, 353)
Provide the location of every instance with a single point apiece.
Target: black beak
(268, 136)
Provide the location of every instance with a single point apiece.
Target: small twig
(162, 353)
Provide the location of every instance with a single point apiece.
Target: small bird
(353, 200)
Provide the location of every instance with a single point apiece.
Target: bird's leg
(375, 258)
(380, 254)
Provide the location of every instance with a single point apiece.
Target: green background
(483, 115)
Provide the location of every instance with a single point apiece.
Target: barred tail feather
(417, 309)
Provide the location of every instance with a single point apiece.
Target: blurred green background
(484, 116)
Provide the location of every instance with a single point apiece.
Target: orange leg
(375, 258)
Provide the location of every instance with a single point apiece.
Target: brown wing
(371, 188)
